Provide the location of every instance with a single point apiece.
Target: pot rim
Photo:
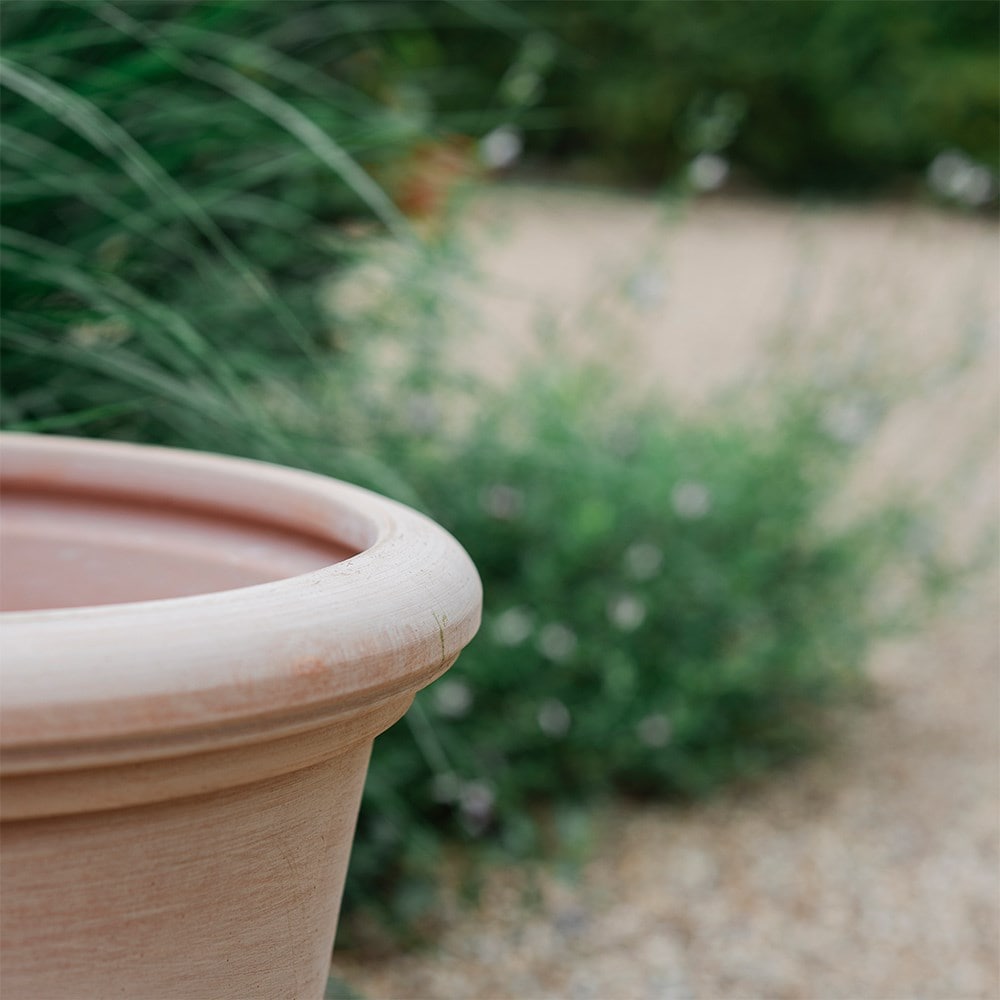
(89, 685)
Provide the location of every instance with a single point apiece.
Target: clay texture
(197, 653)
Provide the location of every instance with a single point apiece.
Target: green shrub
(669, 607)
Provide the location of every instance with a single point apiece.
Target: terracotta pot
(197, 654)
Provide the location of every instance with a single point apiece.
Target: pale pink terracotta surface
(182, 762)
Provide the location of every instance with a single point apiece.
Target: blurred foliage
(171, 174)
(812, 94)
(666, 609)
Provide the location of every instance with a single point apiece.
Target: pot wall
(181, 764)
(231, 894)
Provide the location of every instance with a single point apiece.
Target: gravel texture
(871, 872)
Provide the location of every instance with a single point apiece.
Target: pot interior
(65, 551)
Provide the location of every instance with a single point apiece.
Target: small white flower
(707, 172)
(943, 170)
(475, 804)
(501, 147)
(846, 421)
(512, 627)
(452, 698)
(627, 612)
(953, 175)
(654, 730)
(556, 642)
(502, 502)
(691, 500)
(976, 188)
(643, 560)
(553, 718)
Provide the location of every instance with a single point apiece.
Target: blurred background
(682, 317)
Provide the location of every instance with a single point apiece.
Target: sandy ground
(870, 873)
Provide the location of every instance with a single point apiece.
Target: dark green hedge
(811, 94)
(815, 94)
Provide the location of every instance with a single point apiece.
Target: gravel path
(870, 873)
